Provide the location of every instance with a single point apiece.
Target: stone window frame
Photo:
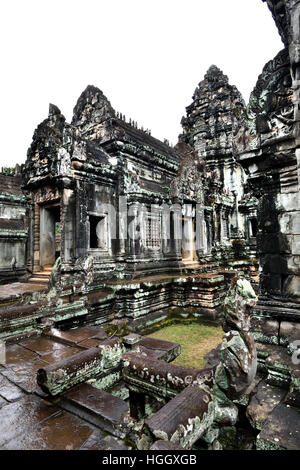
(148, 227)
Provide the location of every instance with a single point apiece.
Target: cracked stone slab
(265, 398)
(15, 354)
(43, 346)
(281, 430)
(98, 407)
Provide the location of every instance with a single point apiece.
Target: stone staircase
(41, 277)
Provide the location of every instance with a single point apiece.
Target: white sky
(147, 56)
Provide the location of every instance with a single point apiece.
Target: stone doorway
(50, 234)
(188, 247)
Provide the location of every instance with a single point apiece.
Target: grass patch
(195, 340)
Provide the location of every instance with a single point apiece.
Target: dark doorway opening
(50, 234)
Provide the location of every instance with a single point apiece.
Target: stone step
(281, 431)
(98, 407)
(19, 320)
(38, 280)
(42, 274)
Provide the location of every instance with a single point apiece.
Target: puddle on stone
(62, 432)
(24, 374)
(42, 345)
(20, 417)
(60, 354)
(16, 354)
(79, 334)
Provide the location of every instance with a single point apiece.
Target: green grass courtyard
(195, 340)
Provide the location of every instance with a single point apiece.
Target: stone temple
(108, 233)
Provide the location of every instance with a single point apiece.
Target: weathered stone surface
(9, 391)
(76, 335)
(61, 432)
(19, 320)
(43, 346)
(213, 357)
(265, 330)
(159, 378)
(51, 215)
(289, 333)
(23, 374)
(56, 378)
(166, 350)
(165, 445)
(106, 443)
(3, 402)
(98, 407)
(185, 418)
(265, 398)
(60, 354)
(132, 339)
(293, 396)
(15, 354)
(90, 343)
(281, 430)
(21, 417)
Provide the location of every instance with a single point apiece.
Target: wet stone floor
(31, 420)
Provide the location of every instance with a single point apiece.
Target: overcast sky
(147, 56)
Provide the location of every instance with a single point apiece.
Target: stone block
(295, 223)
(288, 202)
(296, 245)
(262, 402)
(265, 330)
(281, 430)
(80, 367)
(292, 286)
(184, 419)
(98, 407)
